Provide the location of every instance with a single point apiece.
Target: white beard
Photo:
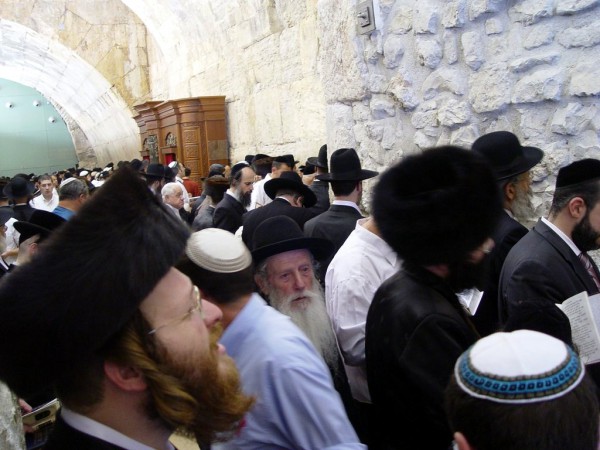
(312, 318)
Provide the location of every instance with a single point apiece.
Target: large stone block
(450, 47)
(382, 107)
(539, 35)
(402, 20)
(454, 14)
(402, 90)
(573, 118)
(526, 63)
(544, 84)
(464, 136)
(531, 11)
(444, 80)
(426, 18)
(489, 89)
(393, 49)
(585, 36)
(480, 7)
(574, 6)
(584, 79)
(472, 49)
(453, 112)
(429, 52)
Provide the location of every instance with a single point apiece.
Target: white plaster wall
(445, 72)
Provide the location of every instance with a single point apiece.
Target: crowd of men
(265, 309)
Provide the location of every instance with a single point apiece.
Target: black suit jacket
(23, 212)
(335, 224)
(278, 207)
(539, 271)
(228, 214)
(508, 232)
(321, 190)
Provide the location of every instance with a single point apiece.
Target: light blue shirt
(63, 212)
(296, 405)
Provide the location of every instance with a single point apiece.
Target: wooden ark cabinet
(190, 130)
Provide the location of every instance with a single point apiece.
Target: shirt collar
(346, 203)
(563, 236)
(382, 247)
(101, 431)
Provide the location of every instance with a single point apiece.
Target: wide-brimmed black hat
(579, 172)
(321, 160)
(41, 222)
(18, 187)
(155, 171)
(281, 234)
(290, 180)
(286, 159)
(506, 155)
(85, 283)
(258, 157)
(345, 166)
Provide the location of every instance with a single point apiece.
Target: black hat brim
(315, 162)
(359, 175)
(320, 248)
(275, 184)
(531, 157)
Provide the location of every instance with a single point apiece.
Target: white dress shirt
(357, 270)
(40, 202)
(259, 197)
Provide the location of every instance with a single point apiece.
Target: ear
(32, 249)
(124, 377)
(577, 207)
(461, 441)
(262, 284)
(510, 191)
(359, 186)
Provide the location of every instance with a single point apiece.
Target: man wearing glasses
(102, 317)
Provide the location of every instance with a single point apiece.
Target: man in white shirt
(48, 198)
(123, 337)
(284, 163)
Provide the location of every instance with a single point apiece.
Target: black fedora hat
(41, 222)
(506, 155)
(290, 180)
(321, 160)
(345, 166)
(281, 234)
(578, 172)
(18, 187)
(156, 171)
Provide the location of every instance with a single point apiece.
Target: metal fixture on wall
(365, 17)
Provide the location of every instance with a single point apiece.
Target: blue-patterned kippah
(480, 382)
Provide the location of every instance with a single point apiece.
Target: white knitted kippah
(218, 251)
(519, 367)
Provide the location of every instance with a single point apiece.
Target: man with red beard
(550, 264)
(436, 210)
(101, 316)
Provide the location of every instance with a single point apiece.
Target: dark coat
(23, 212)
(321, 190)
(335, 224)
(228, 214)
(415, 331)
(508, 232)
(65, 437)
(539, 271)
(278, 207)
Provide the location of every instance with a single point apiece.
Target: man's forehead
(298, 256)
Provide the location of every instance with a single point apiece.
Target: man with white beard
(285, 273)
(511, 163)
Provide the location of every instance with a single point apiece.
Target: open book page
(470, 299)
(584, 315)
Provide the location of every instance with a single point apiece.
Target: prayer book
(583, 312)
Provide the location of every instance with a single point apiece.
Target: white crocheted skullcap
(218, 251)
(523, 366)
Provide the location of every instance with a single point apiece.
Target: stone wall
(445, 72)
(11, 426)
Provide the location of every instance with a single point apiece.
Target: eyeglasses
(197, 306)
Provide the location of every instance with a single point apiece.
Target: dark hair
(187, 171)
(343, 187)
(566, 422)
(221, 287)
(589, 192)
(215, 191)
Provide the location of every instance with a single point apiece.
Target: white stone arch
(107, 130)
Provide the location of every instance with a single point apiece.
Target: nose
(212, 314)
(299, 282)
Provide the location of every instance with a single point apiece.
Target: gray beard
(522, 207)
(313, 320)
